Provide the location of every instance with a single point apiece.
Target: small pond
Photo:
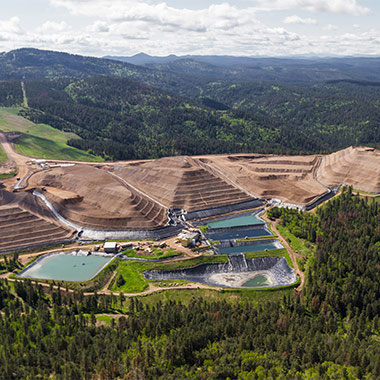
(238, 234)
(239, 221)
(66, 267)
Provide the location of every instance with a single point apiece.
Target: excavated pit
(25, 223)
(237, 273)
(92, 198)
(288, 178)
(182, 183)
(358, 167)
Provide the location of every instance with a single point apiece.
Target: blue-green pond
(66, 267)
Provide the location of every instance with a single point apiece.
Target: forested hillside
(329, 331)
(122, 111)
(123, 119)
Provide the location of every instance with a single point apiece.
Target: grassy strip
(268, 237)
(49, 149)
(156, 254)
(41, 140)
(299, 246)
(8, 175)
(3, 156)
(185, 296)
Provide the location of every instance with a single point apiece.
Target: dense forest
(207, 105)
(329, 331)
(123, 119)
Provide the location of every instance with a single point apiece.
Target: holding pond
(66, 267)
(233, 234)
(237, 221)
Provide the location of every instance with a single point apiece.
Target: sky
(240, 28)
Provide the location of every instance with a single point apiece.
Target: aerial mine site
(56, 201)
(190, 190)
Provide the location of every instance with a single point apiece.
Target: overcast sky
(242, 27)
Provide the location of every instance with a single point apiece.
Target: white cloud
(330, 27)
(11, 26)
(299, 20)
(53, 27)
(356, 26)
(329, 6)
(125, 27)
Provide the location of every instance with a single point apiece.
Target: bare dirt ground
(92, 197)
(19, 161)
(288, 178)
(355, 166)
(181, 183)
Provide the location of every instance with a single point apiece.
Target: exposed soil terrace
(91, 197)
(25, 223)
(355, 166)
(288, 178)
(181, 183)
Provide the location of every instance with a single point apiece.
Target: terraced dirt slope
(358, 167)
(24, 223)
(181, 183)
(91, 197)
(288, 178)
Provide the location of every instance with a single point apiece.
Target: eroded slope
(93, 198)
(181, 183)
(355, 166)
(288, 178)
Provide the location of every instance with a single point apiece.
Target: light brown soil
(24, 222)
(181, 183)
(288, 178)
(92, 197)
(358, 167)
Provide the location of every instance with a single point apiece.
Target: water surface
(254, 232)
(66, 267)
(245, 220)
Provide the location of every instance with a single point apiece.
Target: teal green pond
(258, 281)
(66, 267)
(240, 221)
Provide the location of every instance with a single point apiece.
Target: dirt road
(292, 254)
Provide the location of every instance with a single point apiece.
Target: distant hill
(29, 63)
(289, 70)
(198, 106)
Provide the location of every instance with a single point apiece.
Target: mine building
(189, 239)
(110, 247)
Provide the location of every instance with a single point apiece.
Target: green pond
(258, 281)
(239, 221)
(66, 267)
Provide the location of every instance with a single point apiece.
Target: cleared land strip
(290, 250)
(25, 99)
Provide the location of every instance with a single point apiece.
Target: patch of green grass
(185, 296)
(8, 175)
(267, 237)
(41, 140)
(300, 246)
(3, 156)
(104, 318)
(157, 253)
(134, 280)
